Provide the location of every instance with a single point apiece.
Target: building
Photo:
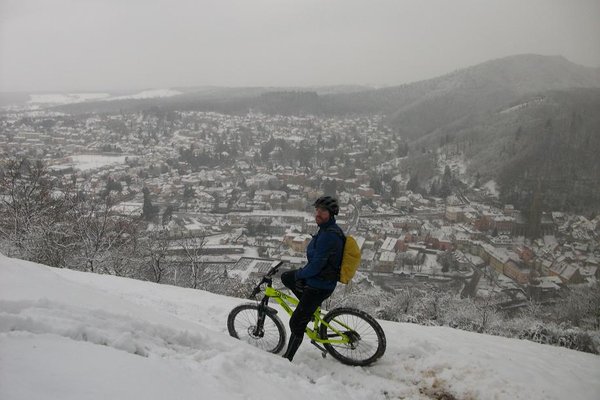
(505, 262)
(568, 273)
(300, 242)
(386, 262)
(389, 244)
(516, 272)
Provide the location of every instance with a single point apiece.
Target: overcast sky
(89, 45)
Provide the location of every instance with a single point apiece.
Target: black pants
(310, 299)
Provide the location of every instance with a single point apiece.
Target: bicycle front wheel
(243, 324)
(367, 339)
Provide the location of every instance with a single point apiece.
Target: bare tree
(193, 250)
(33, 213)
(155, 248)
(486, 313)
(434, 304)
(581, 307)
(485, 309)
(125, 259)
(25, 197)
(401, 304)
(492, 275)
(99, 231)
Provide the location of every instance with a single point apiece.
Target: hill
(73, 335)
(221, 99)
(482, 89)
(546, 144)
(528, 122)
(415, 109)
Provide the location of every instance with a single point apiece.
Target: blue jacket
(324, 254)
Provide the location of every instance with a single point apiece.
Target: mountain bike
(349, 335)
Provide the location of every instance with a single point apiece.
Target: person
(316, 281)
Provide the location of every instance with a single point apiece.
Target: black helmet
(328, 203)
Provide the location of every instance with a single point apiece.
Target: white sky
(79, 45)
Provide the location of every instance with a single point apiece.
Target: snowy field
(65, 98)
(70, 98)
(148, 94)
(87, 162)
(72, 335)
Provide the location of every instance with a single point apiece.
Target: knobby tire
(243, 318)
(369, 340)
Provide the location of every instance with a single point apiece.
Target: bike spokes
(364, 340)
(264, 331)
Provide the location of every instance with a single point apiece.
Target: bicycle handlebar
(266, 278)
(274, 270)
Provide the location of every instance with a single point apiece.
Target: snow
(65, 98)
(279, 213)
(128, 208)
(72, 335)
(522, 105)
(492, 188)
(149, 94)
(195, 225)
(70, 98)
(87, 162)
(457, 163)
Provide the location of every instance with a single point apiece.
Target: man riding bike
(316, 281)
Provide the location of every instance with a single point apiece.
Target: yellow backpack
(350, 260)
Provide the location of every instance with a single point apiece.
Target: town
(231, 193)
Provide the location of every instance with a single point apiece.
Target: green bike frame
(285, 300)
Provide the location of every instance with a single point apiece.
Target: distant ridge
(413, 109)
(422, 107)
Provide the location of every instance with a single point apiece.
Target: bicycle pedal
(318, 346)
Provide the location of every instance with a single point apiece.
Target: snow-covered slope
(149, 94)
(54, 99)
(72, 335)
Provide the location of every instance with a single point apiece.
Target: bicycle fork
(259, 330)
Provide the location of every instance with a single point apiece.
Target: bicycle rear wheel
(242, 324)
(367, 339)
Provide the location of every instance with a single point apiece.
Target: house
(568, 273)
(262, 181)
(439, 240)
(516, 272)
(454, 214)
(386, 262)
(360, 241)
(389, 244)
(403, 202)
(505, 262)
(361, 176)
(367, 258)
(589, 272)
(300, 242)
(366, 191)
(508, 210)
(544, 287)
(502, 223)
